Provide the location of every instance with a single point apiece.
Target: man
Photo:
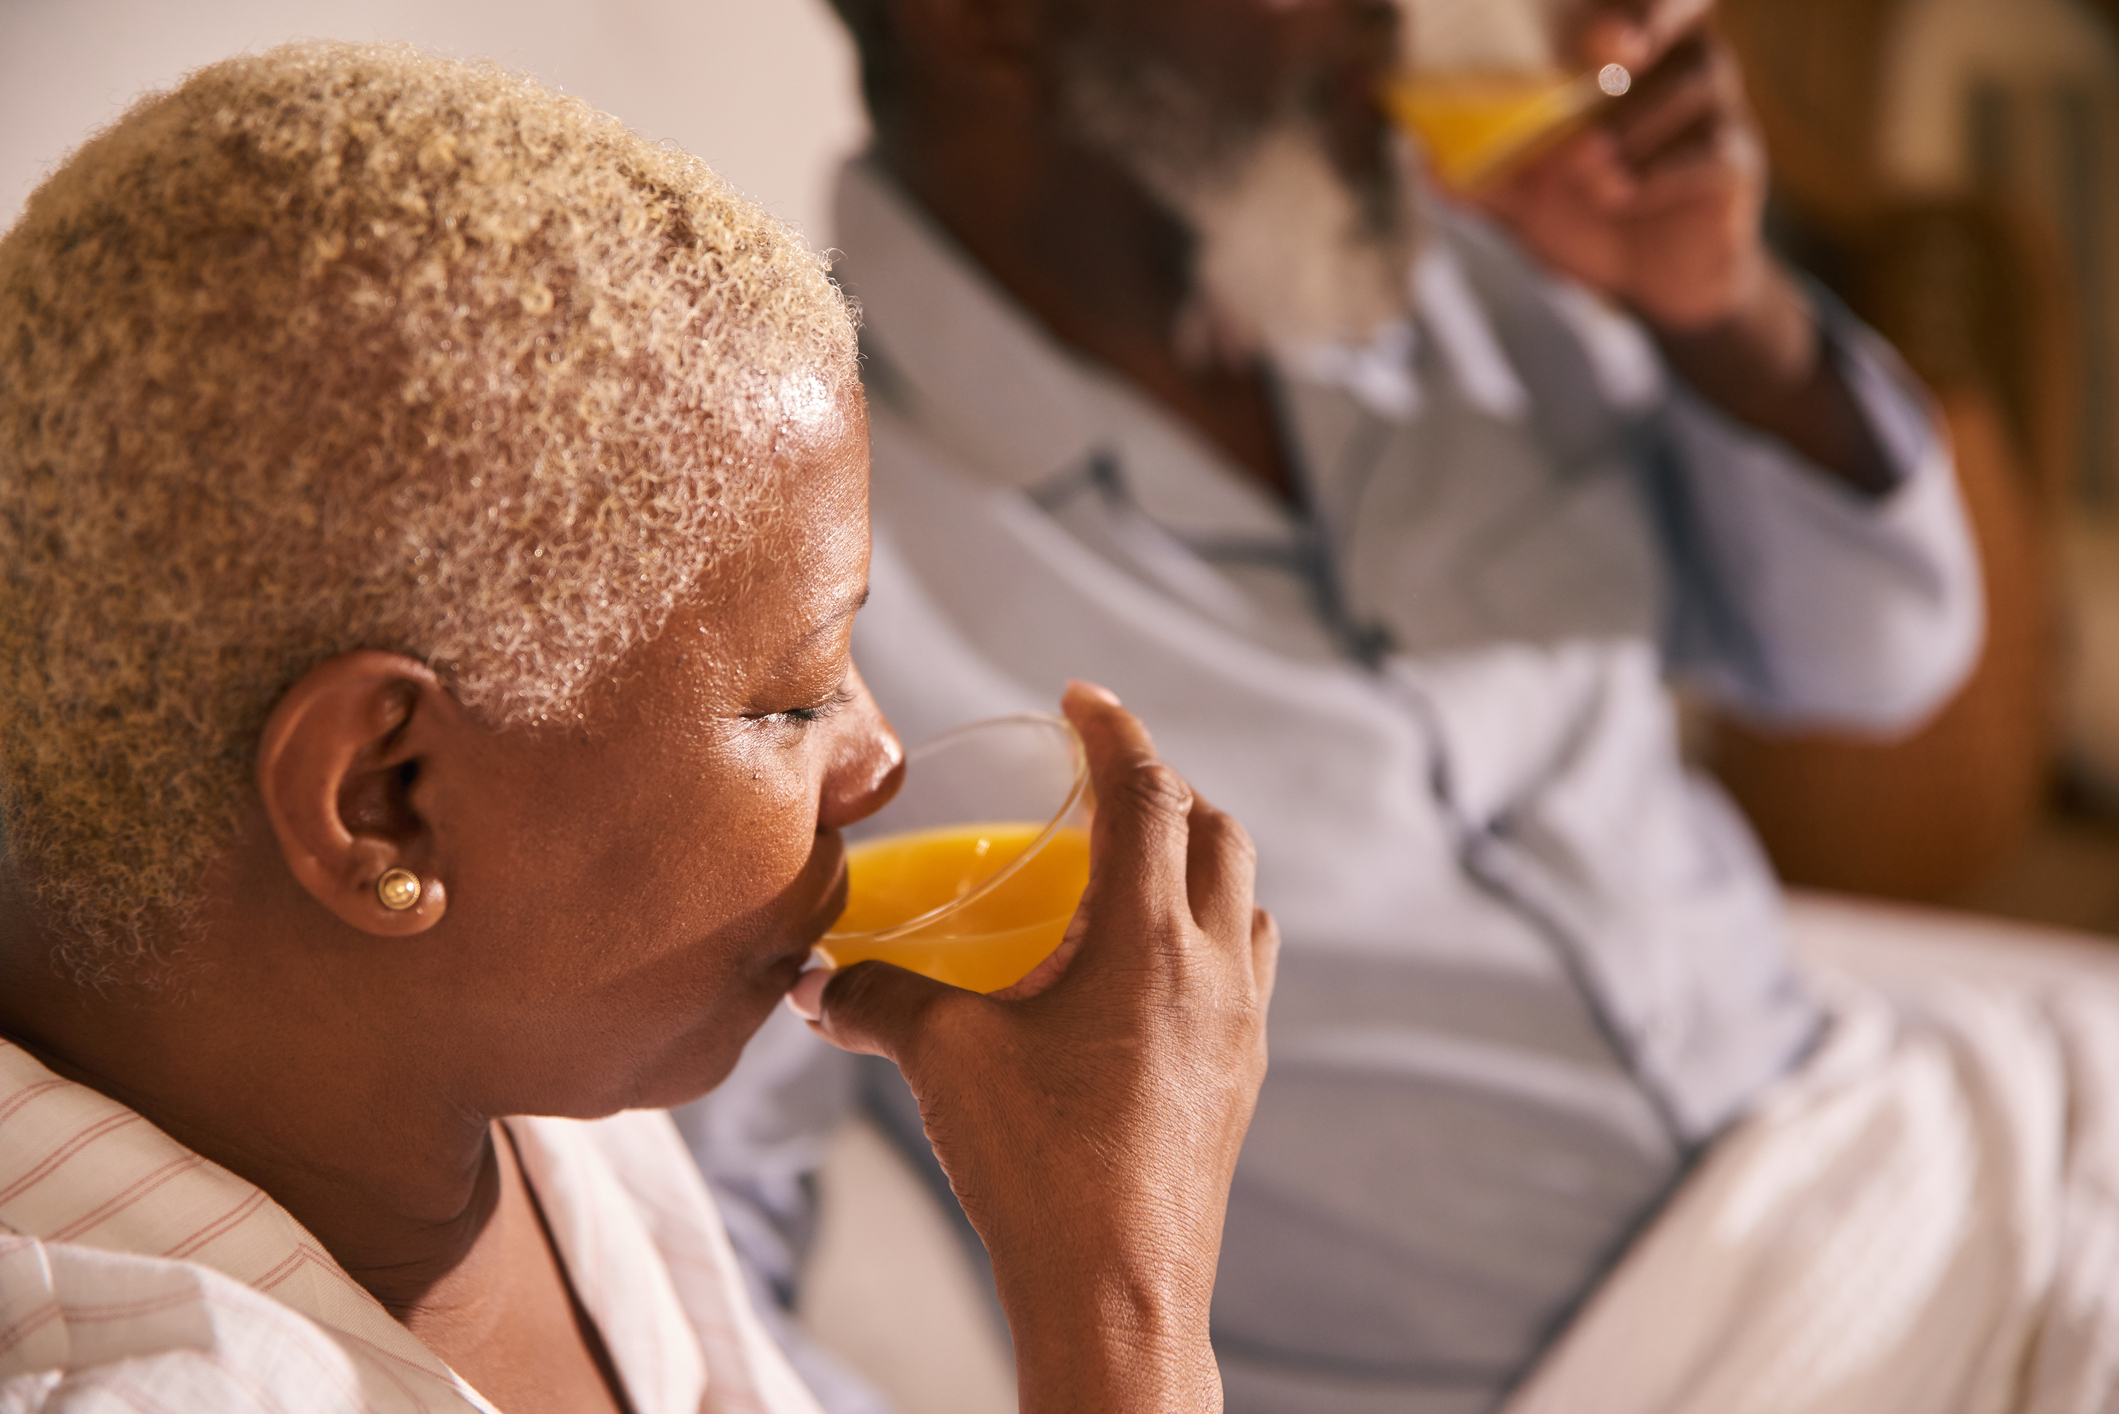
(1390, 517)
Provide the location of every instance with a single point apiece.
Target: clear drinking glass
(1485, 88)
(972, 872)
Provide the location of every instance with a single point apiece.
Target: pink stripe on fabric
(308, 1255)
(389, 1362)
(27, 1093)
(135, 1395)
(130, 1310)
(138, 1189)
(259, 1394)
(37, 1320)
(74, 1144)
(227, 1222)
(286, 1267)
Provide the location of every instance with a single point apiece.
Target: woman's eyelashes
(814, 712)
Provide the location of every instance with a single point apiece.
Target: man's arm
(1659, 208)
(1823, 573)
(1799, 601)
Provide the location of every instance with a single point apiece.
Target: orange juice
(1475, 124)
(991, 942)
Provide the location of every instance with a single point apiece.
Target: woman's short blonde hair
(346, 346)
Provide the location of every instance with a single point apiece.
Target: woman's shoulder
(83, 1328)
(135, 1274)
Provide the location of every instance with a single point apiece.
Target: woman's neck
(396, 1184)
(420, 1199)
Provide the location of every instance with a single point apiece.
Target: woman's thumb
(872, 1007)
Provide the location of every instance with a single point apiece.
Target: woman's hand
(1089, 1118)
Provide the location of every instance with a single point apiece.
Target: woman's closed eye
(812, 712)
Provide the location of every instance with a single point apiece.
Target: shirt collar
(78, 1167)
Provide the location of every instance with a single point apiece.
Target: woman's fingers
(1220, 868)
(1265, 953)
(1041, 977)
(1090, 1131)
(876, 1009)
(1137, 843)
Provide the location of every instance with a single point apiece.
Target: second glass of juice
(1485, 88)
(972, 872)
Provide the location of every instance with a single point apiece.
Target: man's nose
(867, 762)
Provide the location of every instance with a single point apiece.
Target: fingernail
(1096, 690)
(806, 998)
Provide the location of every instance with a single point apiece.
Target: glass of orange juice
(973, 870)
(1484, 90)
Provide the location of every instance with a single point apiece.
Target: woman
(431, 520)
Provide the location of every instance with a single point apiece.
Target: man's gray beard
(1291, 252)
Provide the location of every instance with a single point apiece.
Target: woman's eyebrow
(846, 610)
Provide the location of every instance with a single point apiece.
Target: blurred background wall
(762, 89)
(1949, 167)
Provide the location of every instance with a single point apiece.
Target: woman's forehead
(805, 557)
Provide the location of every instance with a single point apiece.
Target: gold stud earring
(398, 889)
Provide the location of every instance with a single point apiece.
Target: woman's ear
(339, 769)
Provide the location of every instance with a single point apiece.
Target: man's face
(1259, 123)
(1255, 63)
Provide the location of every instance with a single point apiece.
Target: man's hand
(1659, 205)
(1659, 208)
(1089, 1118)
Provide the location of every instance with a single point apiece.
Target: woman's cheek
(781, 835)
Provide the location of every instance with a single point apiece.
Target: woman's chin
(704, 1058)
(679, 1036)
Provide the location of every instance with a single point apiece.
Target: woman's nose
(867, 762)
